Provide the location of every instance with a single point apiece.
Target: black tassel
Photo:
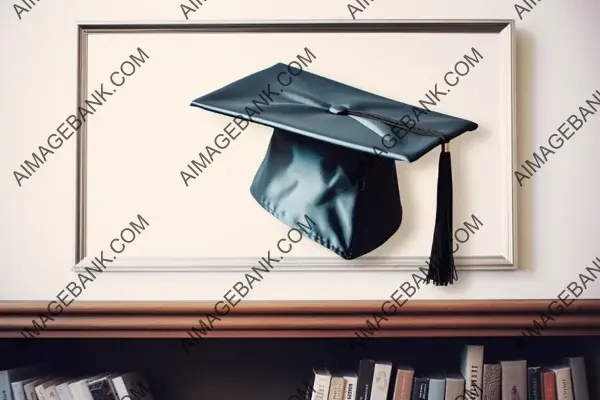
(442, 270)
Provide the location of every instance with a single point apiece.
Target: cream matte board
(130, 154)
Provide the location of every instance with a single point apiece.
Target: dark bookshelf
(268, 350)
(259, 369)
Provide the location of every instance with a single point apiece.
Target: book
(29, 388)
(50, 390)
(455, 387)
(491, 382)
(18, 388)
(350, 385)
(595, 372)
(102, 387)
(64, 393)
(40, 389)
(321, 384)
(437, 387)
(336, 388)
(80, 390)
(548, 384)
(366, 369)
(578, 378)
(514, 380)
(534, 390)
(381, 380)
(133, 385)
(472, 371)
(420, 388)
(404, 382)
(564, 388)
(9, 376)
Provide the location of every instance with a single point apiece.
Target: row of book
(32, 383)
(506, 380)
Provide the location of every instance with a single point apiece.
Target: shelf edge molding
(298, 319)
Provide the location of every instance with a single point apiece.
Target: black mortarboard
(331, 157)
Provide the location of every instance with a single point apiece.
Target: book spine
(455, 389)
(514, 380)
(75, 391)
(102, 389)
(30, 393)
(472, 370)
(549, 386)
(580, 386)
(564, 390)
(5, 386)
(63, 392)
(336, 389)
(365, 377)
(51, 393)
(112, 390)
(420, 389)
(39, 391)
(350, 388)
(18, 392)
(85, 392)
(135, 386)
(404, 380)
(381, 381)
(533, 384)
(491, 382)
(120, 387)
(321, 387)
(436, 389)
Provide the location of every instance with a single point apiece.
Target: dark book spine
(420, 389)
(365, 377)
(534, 391)
(102, 390)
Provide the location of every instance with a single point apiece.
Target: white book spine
(39, 391)
(472, 371)
(86, 394)
(18, 391)
(64, 393)
(133, 385)
(564, 389)
(514, 379)
(321, 387)
(455, 388)
(30, 391)
(75, 390)
(336, 388)
(350, 387)
(437, 388)
(50, 393)
(5, 389)
(120, 387)
(381, 381)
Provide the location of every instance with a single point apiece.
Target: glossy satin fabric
(350, 209)
(320, 163)
(309, 106)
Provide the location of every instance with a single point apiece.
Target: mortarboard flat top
(324, 131)
(317, 107)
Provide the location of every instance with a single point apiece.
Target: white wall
(557, 58)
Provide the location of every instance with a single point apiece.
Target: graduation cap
(331, 158)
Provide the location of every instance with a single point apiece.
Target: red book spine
(549, 384)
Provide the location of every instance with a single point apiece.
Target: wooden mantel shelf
(419, 318)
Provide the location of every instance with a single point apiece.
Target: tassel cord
(442, 269)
